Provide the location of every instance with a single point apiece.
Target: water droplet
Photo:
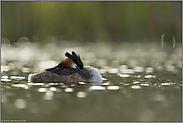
(159, 68)
(5, 68)
(17, 77)
(113, 70)
(132, 63)
(6, 80)
(148, 76)
(147, 115)
(42, 90)
(53, 83)
(144, 84)
(167, 83)
(48, 95)
(179, 64)
(21, 86)
(137, 76)
(159, 97)
(136, 82)
(11, 65)
(23, 41)
(53, 89)
(124, 75)
(5, 42)
(113, 87)
(81, 94)
(26, 70)
(101, 63)
(4, 99)
(135, 87)
(69, 90)
(123, 67)
(104, 79)
(162, 41)
(102, 70)
(81, 83)
(149, 69)
(174, 42)
(36, 83)
(138, 69)
(106, 83)
(21, 103)
(128, 71)
(115, 63)
(170, 68)
(97, 88)
(4, 77)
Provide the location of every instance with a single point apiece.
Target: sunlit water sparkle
(140, 83)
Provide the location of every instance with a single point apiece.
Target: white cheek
(74, 65)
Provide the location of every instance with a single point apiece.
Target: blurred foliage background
(91, 21)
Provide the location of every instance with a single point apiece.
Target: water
(141, 82)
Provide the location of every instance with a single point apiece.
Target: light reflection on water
(97, 88)
(81, 94)
(140, 83)
(69, 90)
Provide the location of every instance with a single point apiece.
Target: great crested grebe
(70, 70)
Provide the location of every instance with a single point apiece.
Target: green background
(92, 21)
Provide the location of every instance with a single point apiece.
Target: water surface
(141, 82)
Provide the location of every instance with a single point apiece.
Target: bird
(70, 70)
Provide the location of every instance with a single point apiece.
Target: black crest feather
(76, 59)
